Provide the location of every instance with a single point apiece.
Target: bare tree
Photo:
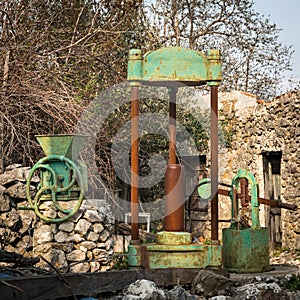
(55, 57)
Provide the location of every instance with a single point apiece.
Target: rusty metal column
(174, 178)
(214, 161)
(134, 163)
(172, 125)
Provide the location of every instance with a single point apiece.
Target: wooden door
(272, 189)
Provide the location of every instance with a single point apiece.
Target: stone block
(98, 227)
(43, 234)
(80, 268)
(82, 226)
(88, 245)
(66, 226)
(76, 255)
(93, 216)
(61, 237)
(17, 190)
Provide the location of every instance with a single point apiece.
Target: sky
(285, 14)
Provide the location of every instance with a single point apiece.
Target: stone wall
(84, 243)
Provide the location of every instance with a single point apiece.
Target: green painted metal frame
(243, 173)
(174, 66)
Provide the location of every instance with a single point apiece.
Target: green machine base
(245, 246)
(246, 250)
(177, 251)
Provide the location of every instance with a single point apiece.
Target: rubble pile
(209, 285)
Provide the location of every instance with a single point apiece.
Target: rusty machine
(62, 178)
(173, 67)
(245, 244)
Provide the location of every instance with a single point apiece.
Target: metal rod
(134, 162)
(244, 192)
(214, 161)
(271, 203)
(172, 125)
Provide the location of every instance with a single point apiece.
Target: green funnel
(68, 145)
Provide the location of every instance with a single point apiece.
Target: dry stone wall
(82, 244)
